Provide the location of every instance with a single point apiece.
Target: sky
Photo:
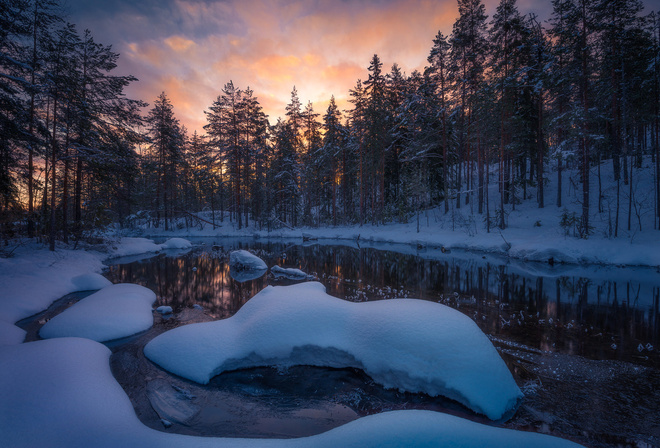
(191, 48)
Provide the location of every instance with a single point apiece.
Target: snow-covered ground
(531, 234)
(405, 344)
(34, 277)
(61, 393)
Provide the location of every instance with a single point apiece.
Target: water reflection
(597, 312)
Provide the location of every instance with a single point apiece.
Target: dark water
(582, 342)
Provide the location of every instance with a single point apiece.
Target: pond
(582, 342)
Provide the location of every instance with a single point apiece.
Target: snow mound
(10, 334)
(61, 393)
(134, 246)
(242, 260)
(164, 309)
(407, 344)
(289, 273)
(88, 282)
(114, 312)
(176, 243)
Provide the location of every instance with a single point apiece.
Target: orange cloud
(320, 46)
(179, 44)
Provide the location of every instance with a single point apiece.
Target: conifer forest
(507, 102)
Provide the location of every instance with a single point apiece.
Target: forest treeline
(509, 98)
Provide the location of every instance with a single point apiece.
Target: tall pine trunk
(53, 160)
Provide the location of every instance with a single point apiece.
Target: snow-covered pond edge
(34, 278)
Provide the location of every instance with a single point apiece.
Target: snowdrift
(407, 344)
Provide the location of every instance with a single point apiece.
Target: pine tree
(312, 143)
(285, 174)
(469, 47)
(42, 17)
(224, 128)
(377, 138)
(440, 76)
(167, 141)
(357, 124)
(328, 158)
(13, 108)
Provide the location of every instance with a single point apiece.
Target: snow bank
(61, 393)
(114, 312)
(34, 278)
(411, 345)
(290, 273)
(242, 260)
(176, 243)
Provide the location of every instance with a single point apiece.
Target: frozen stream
(582, 342)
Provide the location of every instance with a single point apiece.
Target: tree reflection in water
(597, 312)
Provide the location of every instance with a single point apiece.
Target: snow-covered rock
(290, 273)
(407, 344)
(242, 260)
(61, 393)
(245, 266)
(176, 243)
(114, 312)
(164, 309)
(133, 246)
(88, 282)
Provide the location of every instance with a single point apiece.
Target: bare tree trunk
(630, 193)
(502, 170)
(30, 221)
(584, 140)
(78, 194)
(480, 169)
(539, 155)
(44, 200)
(657, 168)
(53, 161)
(65, 187)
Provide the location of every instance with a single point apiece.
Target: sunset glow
(191, 48)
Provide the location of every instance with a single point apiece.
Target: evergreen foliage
(512, 94)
